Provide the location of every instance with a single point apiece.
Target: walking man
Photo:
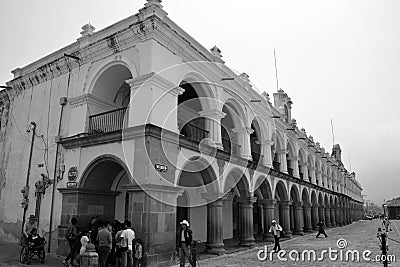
(104, 239)
(386, 224)
(184, 239)
(128, 235)
(321, 229)
(276, 230)
(73, 241)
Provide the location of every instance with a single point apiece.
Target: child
(138, 259)
(84, 241)
(34, 238)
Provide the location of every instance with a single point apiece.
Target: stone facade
(139, 121)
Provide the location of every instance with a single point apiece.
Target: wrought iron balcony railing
(192, 131)
(276, 166)
(106, 122)
(230, 147)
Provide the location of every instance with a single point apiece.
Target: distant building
(139, 121)
(393, 207)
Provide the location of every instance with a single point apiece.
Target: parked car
(368, 217)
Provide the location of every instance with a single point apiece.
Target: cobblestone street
(360, 236)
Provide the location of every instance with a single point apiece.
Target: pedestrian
(93, 229)
(120, 244)
(104, 239)
(386, 223)
(276, 231)
(29, 225)
(184, 242)
(139, 253)
(84, 242)
(128, 235)
(321, 229)
(73, 241)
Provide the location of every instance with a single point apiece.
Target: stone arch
(280, 192)
(264, 186)
(237, 112)
(202, 88)
(97, 72)
(305, 196)
(237, 179)
(255, 140)
(201, 173)
(294, 193)
(117, 166)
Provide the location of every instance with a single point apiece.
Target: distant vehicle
(376, 216)
(368, 217)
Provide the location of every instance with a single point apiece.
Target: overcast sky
(336, 59)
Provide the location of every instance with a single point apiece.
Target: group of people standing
(114, 242)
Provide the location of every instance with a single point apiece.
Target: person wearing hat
(321, 229)
(276, 230)
(184, 240)
(29, 225)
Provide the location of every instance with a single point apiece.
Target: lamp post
(33, 129)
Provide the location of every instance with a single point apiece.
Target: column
(325, 181)
(338, 220)
(294, 162)
(213, 125)
(266, 152)
(284, 217)
(313, 176)
(321, 212)
(307, 217)
(314, 217)
(244, 141)
(215, 242)
(304, 170)
(282, 160)
(298, 212)
(269, 209)
(319, 177)
(333, 217)
(246, 221)
(327, 216)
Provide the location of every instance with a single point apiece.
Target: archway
(282, 210)
(307, 218)
(327, 211)
(332, 211)
(314, 211)
(197, 179)
(104, 192)
(110, 100)
(255, 139)
(233, 130)
(296, 211)
(240, 209)
(321, 207)
(276, 150)
(190, 123)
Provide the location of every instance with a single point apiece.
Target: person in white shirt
(276, 230)
(129, 235)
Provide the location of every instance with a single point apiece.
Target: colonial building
(393, 209)
(139, 121)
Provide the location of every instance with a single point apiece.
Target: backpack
(70, 236)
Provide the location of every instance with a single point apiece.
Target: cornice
(91, 100)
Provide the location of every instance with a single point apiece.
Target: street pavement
(360, 236)
(9, 256)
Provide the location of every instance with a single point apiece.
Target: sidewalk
(9, 256)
